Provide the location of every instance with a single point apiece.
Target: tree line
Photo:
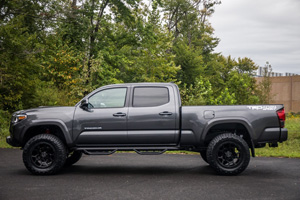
(53, 52)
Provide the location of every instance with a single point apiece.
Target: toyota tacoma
(147, 118)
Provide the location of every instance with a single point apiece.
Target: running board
(95, 152)
(138, 150)
(150, 152)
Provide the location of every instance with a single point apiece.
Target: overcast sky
(263, 30)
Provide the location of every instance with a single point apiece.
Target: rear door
(152, 116)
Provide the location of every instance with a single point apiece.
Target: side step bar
(99, 152)
(150, 152)
(138, 150)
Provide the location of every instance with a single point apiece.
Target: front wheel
(228, 154)
(44, 154)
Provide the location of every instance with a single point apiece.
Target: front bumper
(12, 142)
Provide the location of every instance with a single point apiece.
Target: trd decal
(262, 107)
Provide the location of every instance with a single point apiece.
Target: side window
(110, 98)
(150, 96)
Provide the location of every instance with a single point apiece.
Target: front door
(105, 122)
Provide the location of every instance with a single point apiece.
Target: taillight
(281, 117)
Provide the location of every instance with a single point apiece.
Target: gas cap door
(209, 114)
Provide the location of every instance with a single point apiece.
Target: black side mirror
(84, 104)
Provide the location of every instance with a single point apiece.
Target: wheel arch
(56, 128)
(238, 126)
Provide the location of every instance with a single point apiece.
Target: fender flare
(242, 121)
(54, 122)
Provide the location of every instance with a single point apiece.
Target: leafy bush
(199, 93)
(4, 123)
(47, 94)
(292, 115)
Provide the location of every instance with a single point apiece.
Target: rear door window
(150, 96)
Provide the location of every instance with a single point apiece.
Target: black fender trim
(51, 122)
(242, 121)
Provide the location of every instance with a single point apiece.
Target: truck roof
(143, 84)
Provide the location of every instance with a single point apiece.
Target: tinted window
(150, 96)
(110, 98)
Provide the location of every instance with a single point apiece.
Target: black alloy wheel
(44, 154)
(228, 154)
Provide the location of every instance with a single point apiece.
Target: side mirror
(84, 104)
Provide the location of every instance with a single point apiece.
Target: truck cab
(128, 115)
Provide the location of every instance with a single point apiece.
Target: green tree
(225, 98)
(18, 48)
(242, 82)
(152, 59)
(190, 60)
(140, 51)
(17, 66)
(96, 12)
(70, 47)
(199, 93)
(225, 73)
(194, 41)
(265, 86)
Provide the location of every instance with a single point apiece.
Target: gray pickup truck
(146, 118)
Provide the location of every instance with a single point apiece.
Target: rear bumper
(271, 135)
(283, 135)
(12, 142)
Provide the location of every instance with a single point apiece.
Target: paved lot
(132, 176)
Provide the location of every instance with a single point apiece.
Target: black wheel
(203, 155)
(228, 154)
(44, 154)
(73, 158)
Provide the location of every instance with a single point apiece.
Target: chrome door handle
(165, 113)
(119, 114)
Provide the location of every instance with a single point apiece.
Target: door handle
(119, 114)
(165, 113)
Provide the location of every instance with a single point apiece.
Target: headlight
(17, 118)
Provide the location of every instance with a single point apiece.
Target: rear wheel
(228, 154)
(44, 154)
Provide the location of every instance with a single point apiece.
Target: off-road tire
(228, 154)
(44, 154)
(73, 158)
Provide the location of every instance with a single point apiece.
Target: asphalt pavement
(132, 176)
